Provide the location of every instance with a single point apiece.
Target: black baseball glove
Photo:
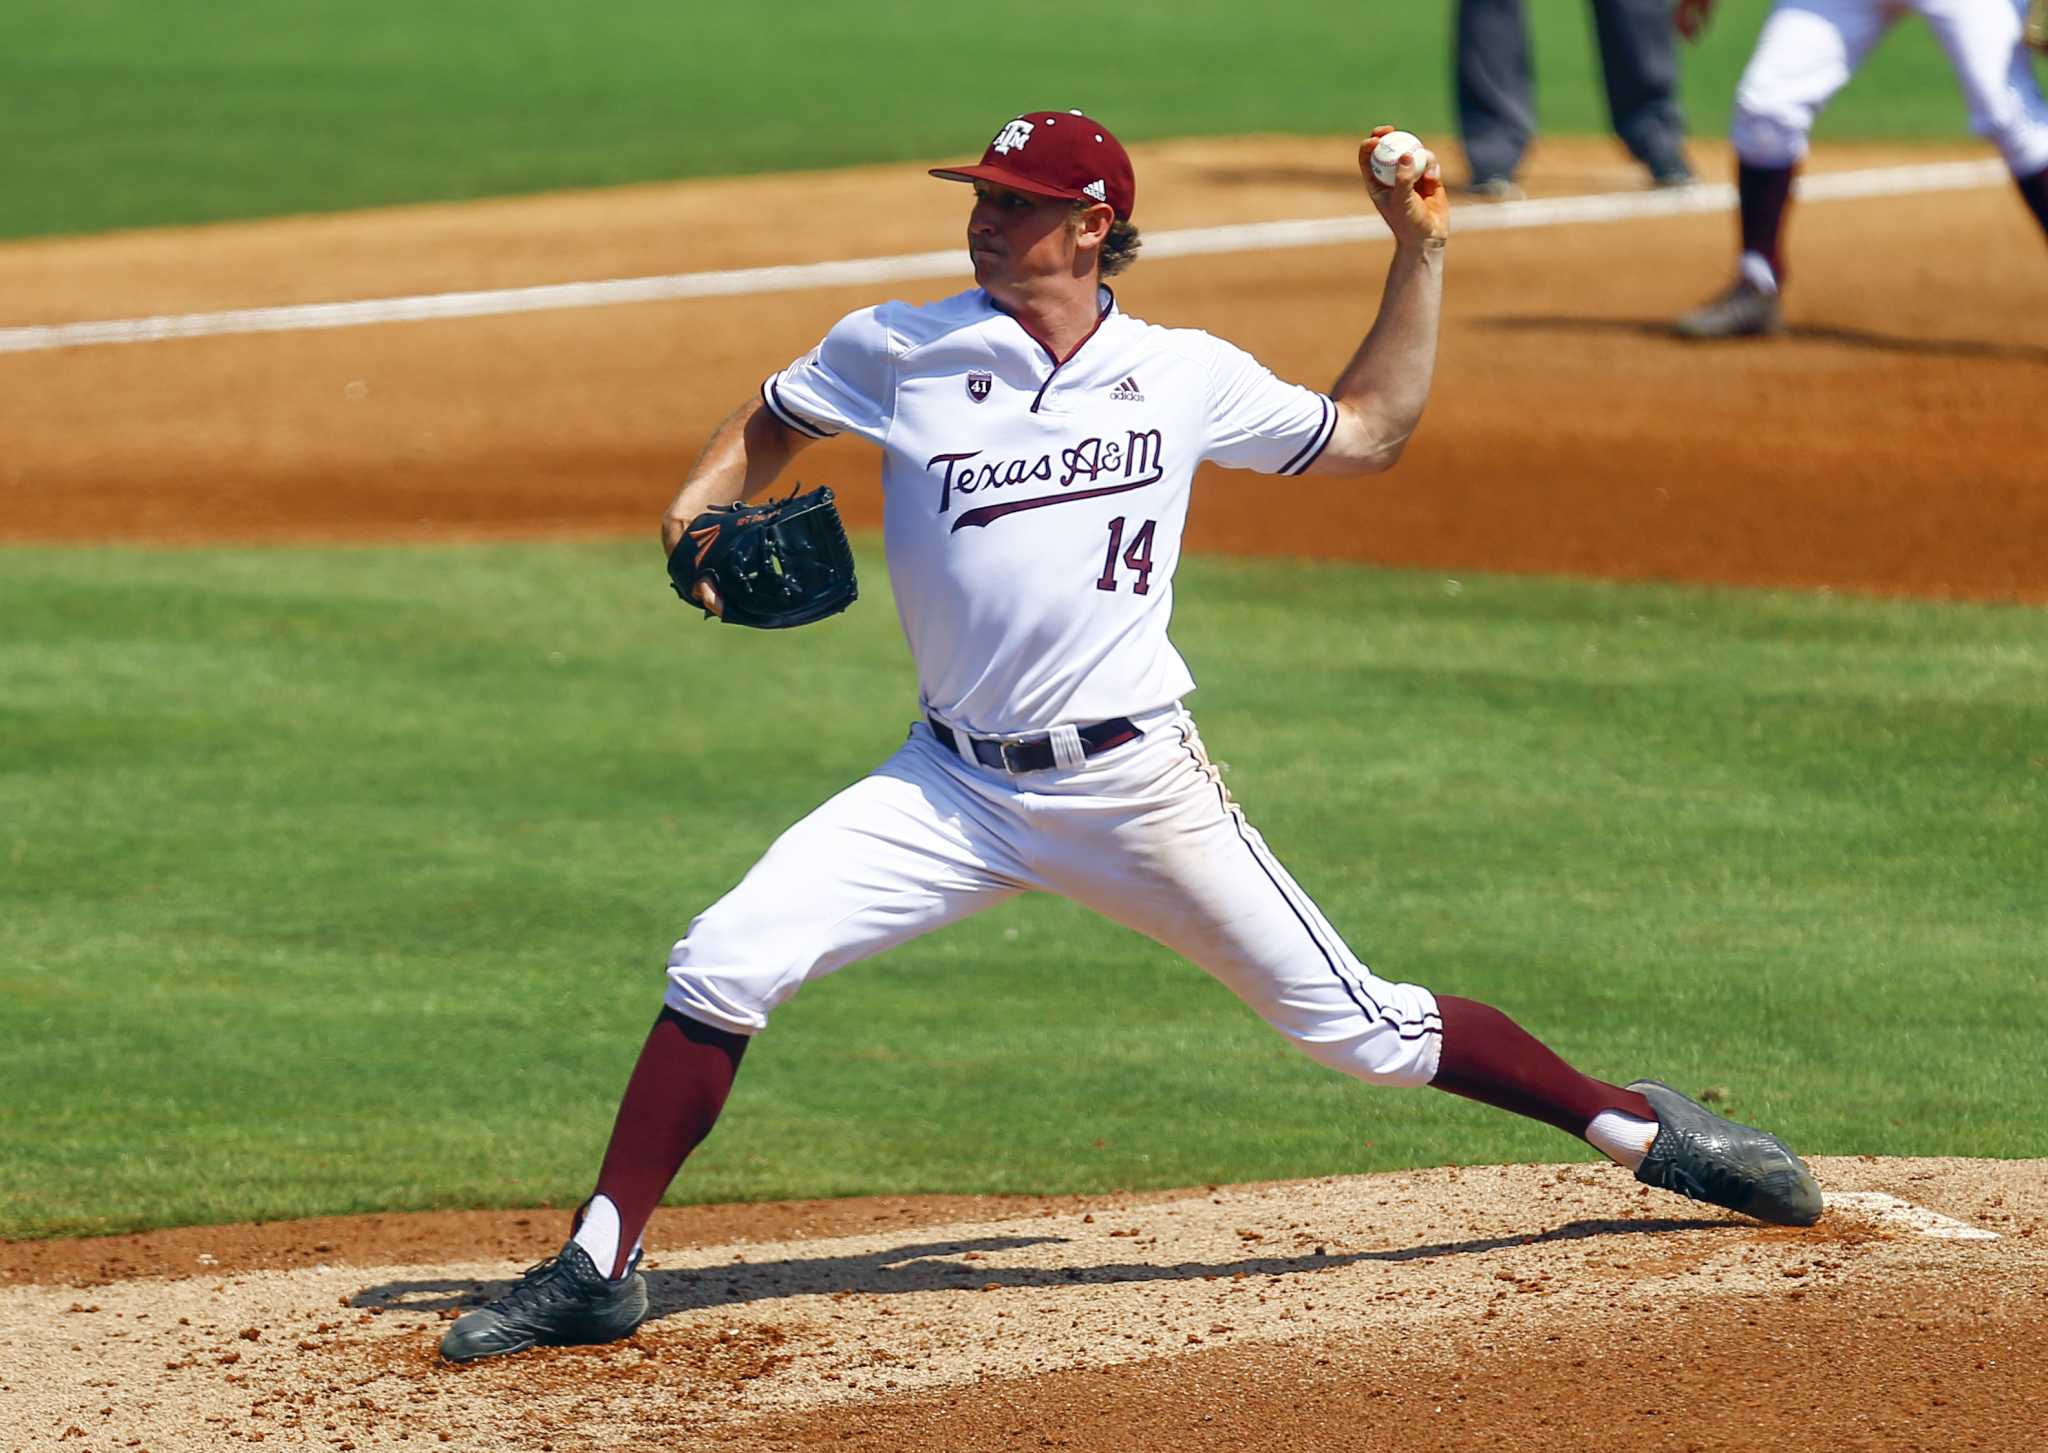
(776, 564)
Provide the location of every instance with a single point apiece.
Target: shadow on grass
(937, 1266)
(1794, 333)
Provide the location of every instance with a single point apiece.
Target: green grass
(128, 113)
(340, 880)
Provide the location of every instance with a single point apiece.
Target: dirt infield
(1888, 445)
(1532, 1307)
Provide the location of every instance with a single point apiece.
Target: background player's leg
(1995, 69)
(1806, 53)
(1763, 193)
(1639, 66)
(1496, 117)
(2035, 190)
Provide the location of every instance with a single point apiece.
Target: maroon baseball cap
(1060, 154)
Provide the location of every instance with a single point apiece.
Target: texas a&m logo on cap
(979, 382)
(1012, 137)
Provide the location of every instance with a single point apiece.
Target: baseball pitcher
(1038, 446)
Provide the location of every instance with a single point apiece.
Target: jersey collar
(1105, 304)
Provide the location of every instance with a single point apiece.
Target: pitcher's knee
(734, 985)
(713, 1000)
(1379, 1056)
(1375, 1029)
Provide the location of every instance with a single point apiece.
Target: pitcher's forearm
(1391, 373)
(745, 456)
(1381, 392)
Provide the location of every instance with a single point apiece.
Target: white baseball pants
(1810, 48)
(1144, 834)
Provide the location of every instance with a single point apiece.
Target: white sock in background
(1757, 272)
(1623, 1139)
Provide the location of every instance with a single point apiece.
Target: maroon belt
(1034, 753)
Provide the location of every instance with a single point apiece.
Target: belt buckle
(1005, 746)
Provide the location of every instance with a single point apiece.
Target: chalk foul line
(1539, 212)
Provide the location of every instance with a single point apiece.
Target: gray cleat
(1744, 311)
(563, 1301)
(1699, 1154)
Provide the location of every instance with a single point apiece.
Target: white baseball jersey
(1809, 50)
(1033, 508)
(1033, 518)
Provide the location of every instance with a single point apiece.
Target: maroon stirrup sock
(1764, 192)
(1488, 1057)
(679, 1085)
(2035, 190)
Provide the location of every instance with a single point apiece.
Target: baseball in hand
(1387, 155)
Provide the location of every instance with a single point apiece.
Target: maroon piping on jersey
(1058, 362)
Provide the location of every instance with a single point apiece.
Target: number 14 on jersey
(1137, 556)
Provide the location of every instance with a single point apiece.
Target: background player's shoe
(1699, 1154)
(1744, 311)
(1492, 189)
(563, 1301)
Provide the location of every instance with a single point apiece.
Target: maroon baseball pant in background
(2035, 190)
(1764, 192)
